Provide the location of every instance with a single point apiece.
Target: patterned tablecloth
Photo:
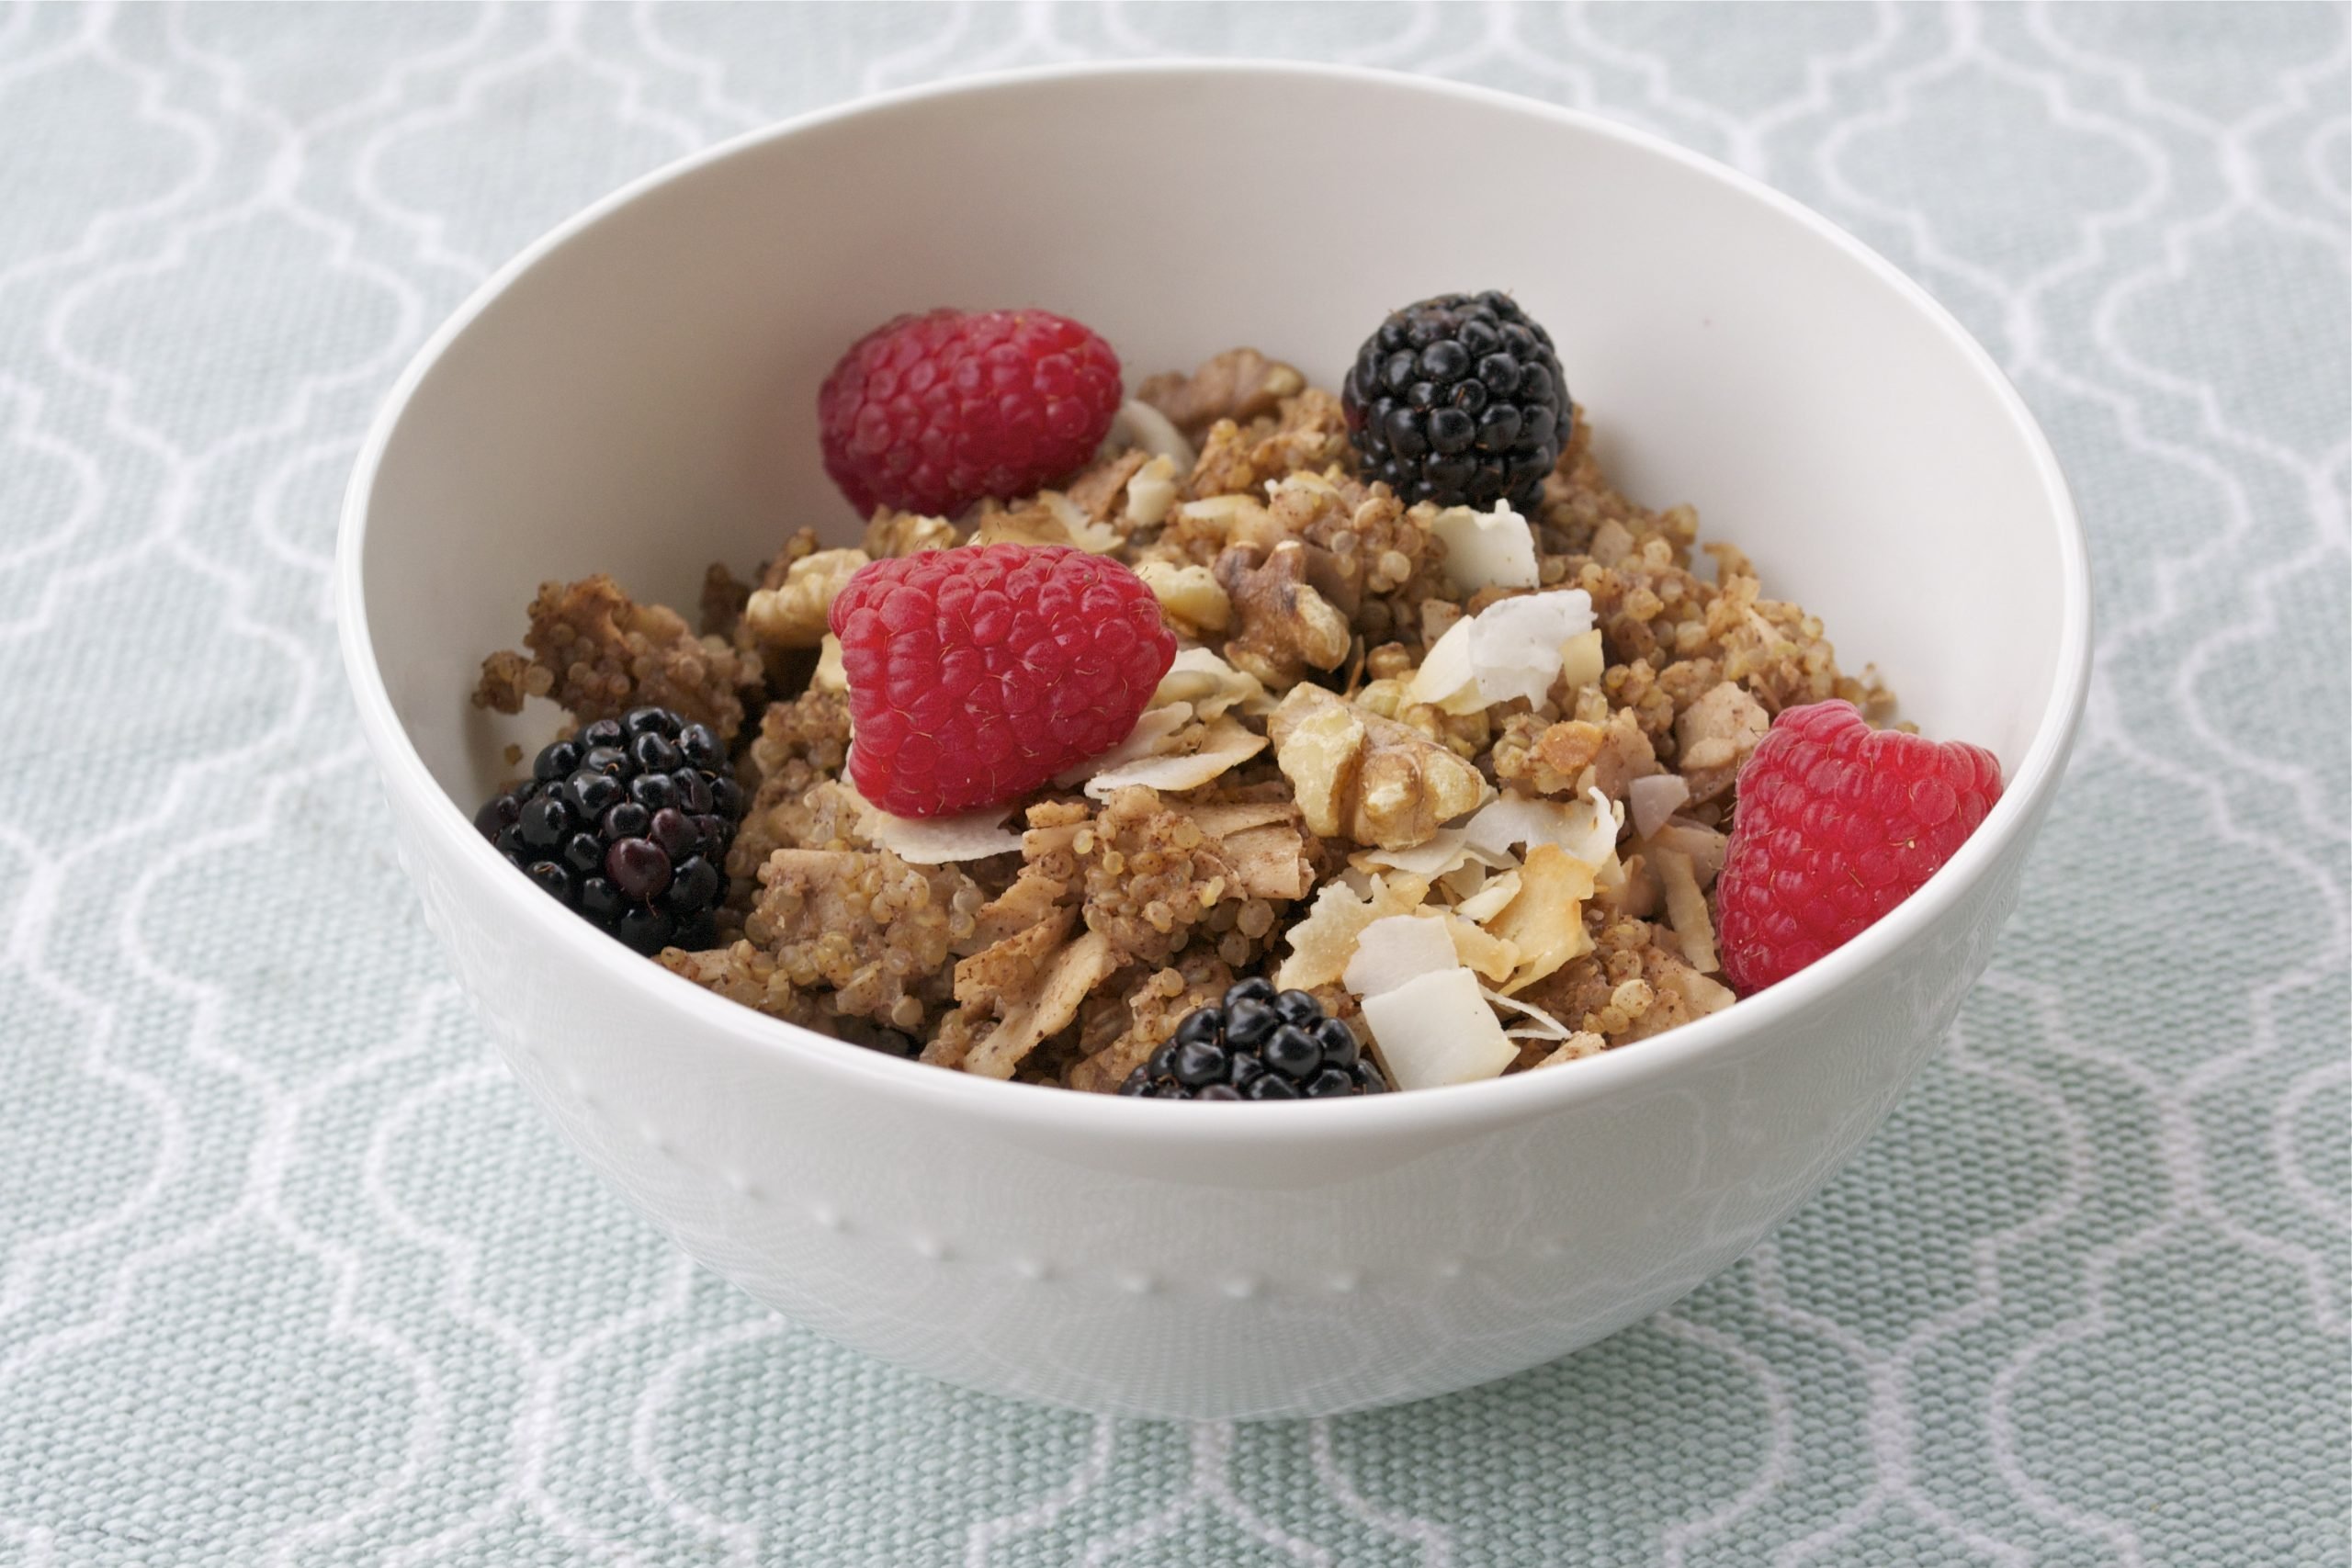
(289, 1274)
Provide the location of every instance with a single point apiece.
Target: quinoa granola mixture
(1304, 770)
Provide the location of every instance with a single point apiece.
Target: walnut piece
(793, 614)
(1190, 597)
(600, 654)
(1360, 776)
(1286, 627)
(891, 534)
(723, 598)
(1240, 384)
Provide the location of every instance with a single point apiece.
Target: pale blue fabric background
(288, 1273)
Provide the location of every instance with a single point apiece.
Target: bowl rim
(1452, 1109)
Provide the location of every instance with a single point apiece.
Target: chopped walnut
(723, 598)
(792, 613)
(1240, 384)
(1190, 598)
(1286, 627)
(1363, 777)
(798, 546)
(600, 654)
(891, 534)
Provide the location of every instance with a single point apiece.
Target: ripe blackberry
(1459, 399)
(1258, 1044)
(628, 823)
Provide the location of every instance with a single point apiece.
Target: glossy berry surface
(1836, 824)
(977, 674)
(627, 824)
(1459, 399)
(1258, 1043)
(930, 413)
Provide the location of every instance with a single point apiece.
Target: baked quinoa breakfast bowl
(1333, 660)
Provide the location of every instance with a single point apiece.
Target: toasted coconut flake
(937, 841)
(1095, 538)
(1445, 854)
(1221, 746)
(1703, 994)
(1007, 970)
(1493, 957)
(1269, 861)
(1487, 549)
(1447, 680)
(1583, 661)
(1685, 911)
(1491, 899)
(1539, 1025)
(1462, 882)
(1201, 678)
(1396, 949)
(1137, 423)
(1575, 1048)
(1517, 645)
(1514, 647)
(1153, 488)
(1222, 819)
(1703, 844)
(1436, 1029)
(1545, 922)
(1653, 799)
(1586, 828)
(1062, 984)
(1322, 943)
(1154, 730)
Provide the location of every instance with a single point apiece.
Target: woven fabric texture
(289, 1274)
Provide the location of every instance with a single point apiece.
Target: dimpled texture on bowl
(650, 374)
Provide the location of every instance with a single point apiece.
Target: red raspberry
(977, 674)
(1837, 823)
(930, 413)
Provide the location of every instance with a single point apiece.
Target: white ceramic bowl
(636, 394)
